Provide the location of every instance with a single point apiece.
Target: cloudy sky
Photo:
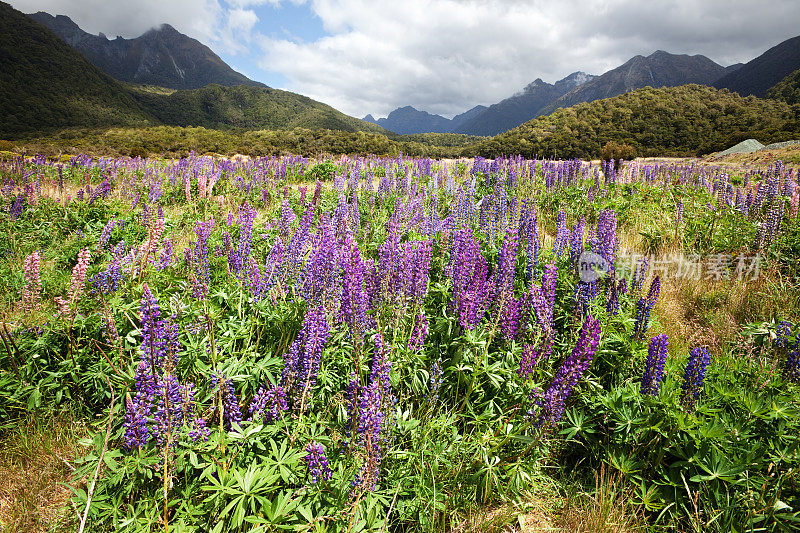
(442, 56)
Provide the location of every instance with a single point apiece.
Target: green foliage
(45, 84)
(613, 151)
(180, 142)
(788, 89)
(321, 171)
(676, 121)
(448, 453)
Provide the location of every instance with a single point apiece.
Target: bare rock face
(162, 56)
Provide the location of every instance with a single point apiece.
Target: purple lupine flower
(169, 407)
(792, 366)
(367, 416)
(470, 284)
(285, 222)
(639, 275)
(509, 319)
(435, 381)
(607, 236)
(260, 283)
(538, 303)
(654, 368)
(153, 330)
(101, 191)
(161, 405)
(529, 229)
(549, 280)
(783, 334)
(531, 355)
(562, 235)
(108, 281)
(301, 362)
(106, 233)
(239, 257)
(693, 377)
(552, 403)
(268, 403)
(642, 319)
(317, 463)
(320, 279)
(419, 332)
(139, 409)
(166, 255)
(355, 299)
(200, 260)
(296, 249)
(419, 256)
(17, 207)
(643, 308)
(576, 240)
(655, 289)
(231, 413)
(502, 282)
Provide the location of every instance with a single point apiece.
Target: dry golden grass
(34, 466)
(604, 511)
(537, 515)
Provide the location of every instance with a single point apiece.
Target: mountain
(248, 107)
(521, 107)
(406, 120)
(788, 89)
(758, 75)
(46, 84)
(734, 67)
(460, 119)
(163, 57)
(680, 121)
(659, 69)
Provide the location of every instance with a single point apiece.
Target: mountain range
(79, 79)
(162, 56)
(406, 120)
(47, 84)
(659, 69)
(521, 107)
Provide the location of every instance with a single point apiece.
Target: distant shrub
(322, 171)
(616, 151)
(139, 151)
(6, 146)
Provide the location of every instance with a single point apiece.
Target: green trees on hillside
(788, 89)
(675, 121)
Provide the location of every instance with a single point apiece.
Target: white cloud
(446, 56)
(443, 56)
(196, 18)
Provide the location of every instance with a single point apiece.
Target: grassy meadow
(367, 343)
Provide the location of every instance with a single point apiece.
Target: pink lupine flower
(66, 307)
(31, 294)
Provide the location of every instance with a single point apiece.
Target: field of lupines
(405, 344)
